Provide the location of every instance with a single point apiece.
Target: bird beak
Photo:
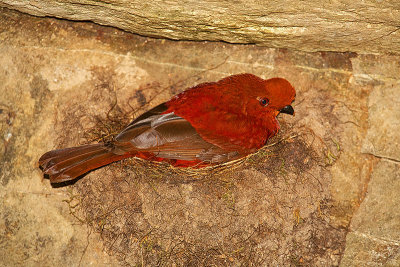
(288, 110)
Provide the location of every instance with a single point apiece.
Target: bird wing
(172, 137)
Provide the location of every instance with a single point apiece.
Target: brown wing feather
(170, 136)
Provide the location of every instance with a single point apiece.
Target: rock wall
(357, 26)
(327, 197)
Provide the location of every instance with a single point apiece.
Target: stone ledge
(356, 26)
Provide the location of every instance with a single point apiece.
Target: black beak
(288, 110)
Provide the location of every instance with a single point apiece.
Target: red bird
(208, 124)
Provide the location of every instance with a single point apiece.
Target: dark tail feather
(67, 164)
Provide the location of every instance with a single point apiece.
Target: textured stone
(60, 80)
(374, 237)
(358, 26)
(383, 136)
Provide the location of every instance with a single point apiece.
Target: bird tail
(67, 164)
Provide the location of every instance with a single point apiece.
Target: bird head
(278, 96)
(259, 97)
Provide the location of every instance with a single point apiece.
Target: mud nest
(271, 208)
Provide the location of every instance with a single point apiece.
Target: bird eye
(264, 101)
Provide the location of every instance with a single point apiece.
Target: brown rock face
(358, 26)
(325, 194)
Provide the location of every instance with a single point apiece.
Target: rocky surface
(374, 232)
(374, 238)
(384, 115)
(358, 26)
(324, 197)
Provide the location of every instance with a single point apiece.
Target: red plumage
(210, 123)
